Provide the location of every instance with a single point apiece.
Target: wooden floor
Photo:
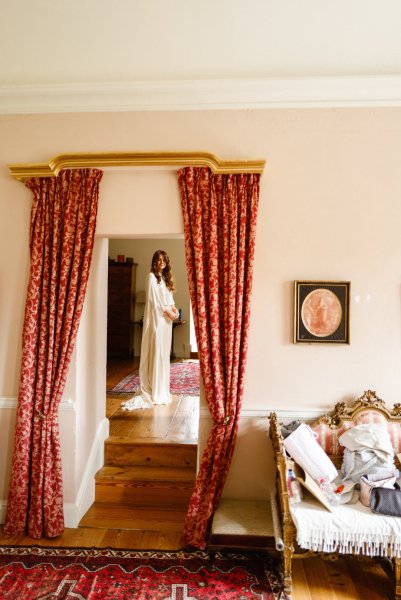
(177, 421)
(342, 579)
(119, 368)
(313, 578)
(88, 537)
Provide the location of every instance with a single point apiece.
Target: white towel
(347, 529)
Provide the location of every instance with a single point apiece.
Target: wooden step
(168, 487)
(117, 516)
(145, 473)
(121, 451)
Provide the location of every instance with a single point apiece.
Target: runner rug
(184, 380)
(37, 573)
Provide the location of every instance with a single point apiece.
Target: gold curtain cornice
(24, 171)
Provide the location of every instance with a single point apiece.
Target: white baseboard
(74, 511)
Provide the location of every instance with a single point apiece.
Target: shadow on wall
(253, 445)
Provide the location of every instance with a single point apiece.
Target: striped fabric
(328, 437)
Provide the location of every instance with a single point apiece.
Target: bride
(160, 311)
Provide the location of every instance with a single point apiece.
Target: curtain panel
(63, 222)
(220, 213)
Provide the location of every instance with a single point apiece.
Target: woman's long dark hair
(166, 274)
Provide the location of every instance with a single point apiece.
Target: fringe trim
(351, 543)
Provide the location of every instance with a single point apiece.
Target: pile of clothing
(367, 473)
(369, 463)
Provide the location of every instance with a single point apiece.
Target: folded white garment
(367, 449)
(369, 436)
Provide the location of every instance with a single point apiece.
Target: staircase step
(145, 473)
(146, 493)
(122, 451)
(151, 486)
(117, 516)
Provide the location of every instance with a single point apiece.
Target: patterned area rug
(184, 380)
(95, 574)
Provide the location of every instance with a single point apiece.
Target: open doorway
(138, 252)
(150, 456)
(129, 265)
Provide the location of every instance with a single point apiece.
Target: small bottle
(294, 488)
(327, 489)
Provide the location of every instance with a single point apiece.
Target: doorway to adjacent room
(151, 454)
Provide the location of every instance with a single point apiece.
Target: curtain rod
(24, 171)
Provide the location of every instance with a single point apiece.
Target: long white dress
(154, 366)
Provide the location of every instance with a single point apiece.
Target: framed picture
(321, 312)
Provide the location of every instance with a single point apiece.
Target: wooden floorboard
(178, 420)
(88, 537)
(343, 579)
(118, 368)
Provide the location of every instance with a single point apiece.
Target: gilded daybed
(350, 528)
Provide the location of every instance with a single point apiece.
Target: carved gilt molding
(84, 160)
(369, 400)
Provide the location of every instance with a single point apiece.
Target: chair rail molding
(286, 415)
(66, 404)
(202, 94)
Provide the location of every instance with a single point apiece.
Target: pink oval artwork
(321, 312)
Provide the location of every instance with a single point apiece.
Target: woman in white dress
(160, 311)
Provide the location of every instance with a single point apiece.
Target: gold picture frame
(321, 312)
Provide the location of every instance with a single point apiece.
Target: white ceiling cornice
(214, 94)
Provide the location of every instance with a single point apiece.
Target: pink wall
(329, 209)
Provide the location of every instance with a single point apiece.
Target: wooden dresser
(120, 309)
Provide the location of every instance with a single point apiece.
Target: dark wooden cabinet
(120, 309)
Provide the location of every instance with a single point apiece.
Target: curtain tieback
(45, 417)
(224, 422)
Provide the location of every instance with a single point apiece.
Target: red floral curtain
(220, 214)
(63, 221)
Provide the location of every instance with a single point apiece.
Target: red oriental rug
(184, 380)
(96, 574)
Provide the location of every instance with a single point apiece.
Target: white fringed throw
(350, 528)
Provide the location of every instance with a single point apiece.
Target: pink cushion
(328, 438)
(370, 416)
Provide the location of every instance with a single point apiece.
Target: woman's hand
(170, 314)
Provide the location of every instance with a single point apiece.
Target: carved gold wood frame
(24, 171)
